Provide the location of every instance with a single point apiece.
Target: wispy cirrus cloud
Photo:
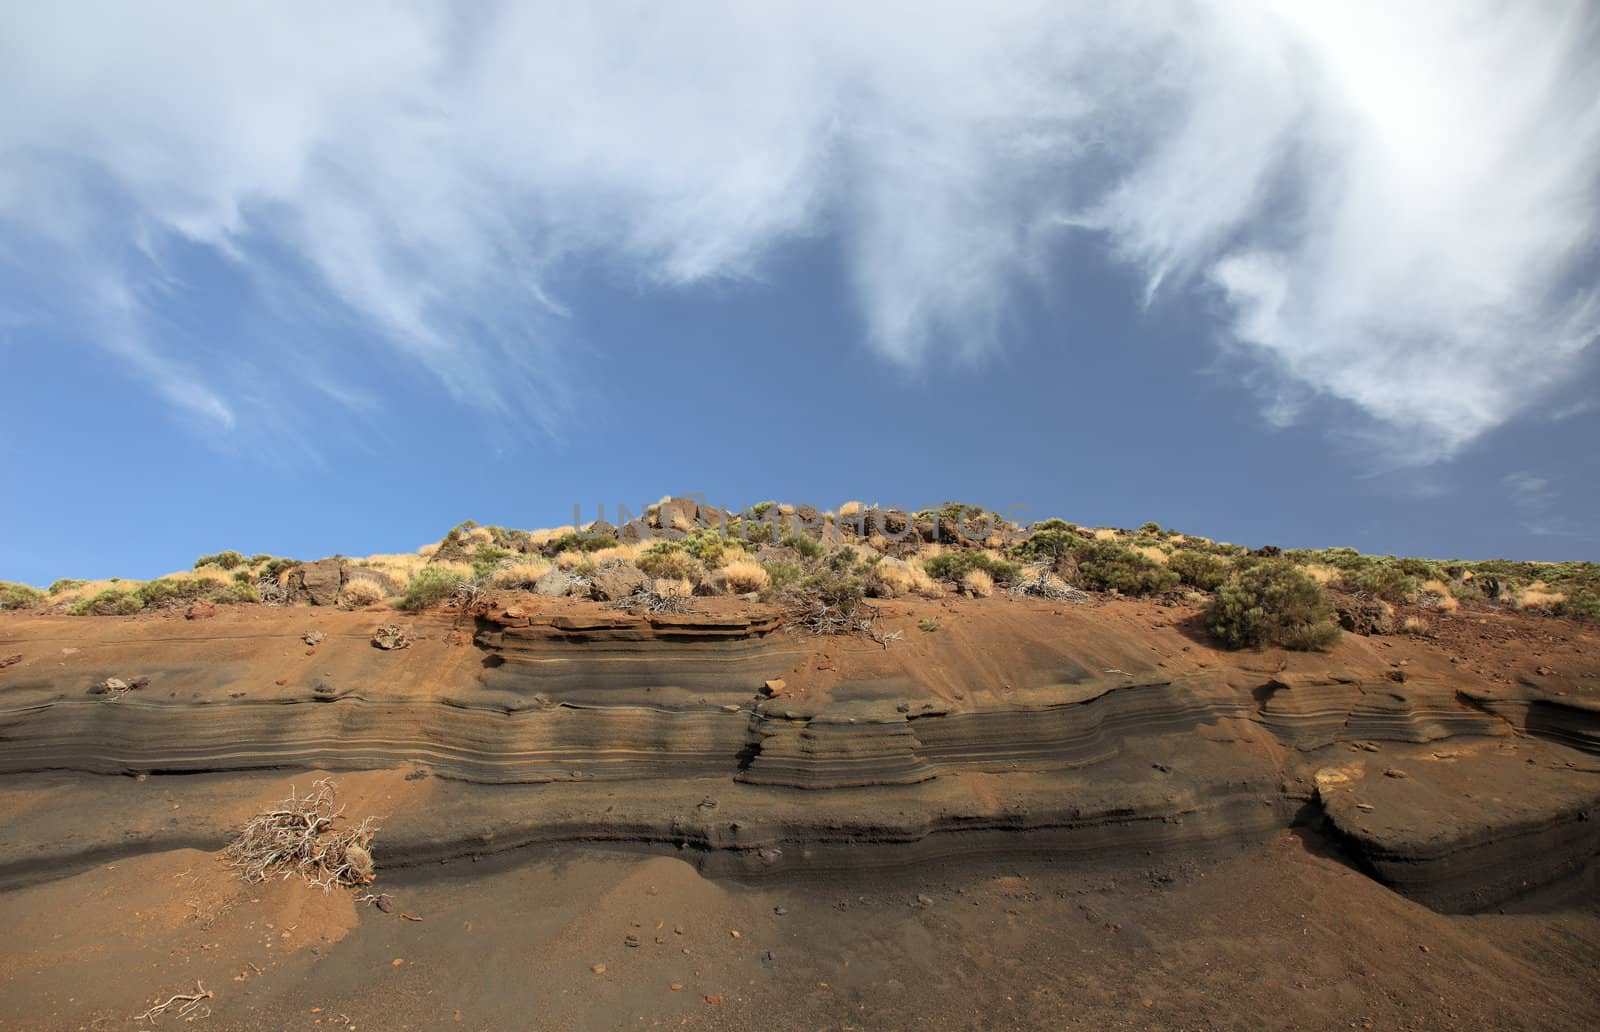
(1393, 204)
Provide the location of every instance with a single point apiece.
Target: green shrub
(110, 602)
(575, 542)
(65, 584)
(669, 559)
(954, 565)
(227, 560)
(1272, 602)
(1107, 566)
(431, 585)
(1152, 527)
(1379, 578)
(275, 567)
(835, 588)
(1049, 540)
(782, 574)
(259, 558)
(238, 593)
(166, 592)
(806, 545)
(1582, 603)
(1199, 569)
(19, 596)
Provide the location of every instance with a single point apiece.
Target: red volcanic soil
(1036, 816)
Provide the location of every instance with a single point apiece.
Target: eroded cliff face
(1108, 729)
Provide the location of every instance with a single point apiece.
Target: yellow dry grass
(978, 583)
(679, 586)
(426, 551)
(1106, 534)
(1153, 553)
(478, 536)
(521, 575)
(1414, 625)
(743, 575)
(399, 567)
(363, 591)
(1448, 603)
(626, 552)
(1537, 596)
(569, 559)
(1321, 573)
(850, 509)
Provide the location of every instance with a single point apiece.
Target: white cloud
(1392, 201)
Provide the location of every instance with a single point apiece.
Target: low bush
(1581, 603)
(1049, 540)
(1272, 602)
(955, 565)
(431, 585)
(575, 542)
(65, 584)
(806, 545)
(110, 602)
(227, 560)
(668, 560)
(19, 596)
(1201, 570)
(169, 592)
(978, 583)
(236, 594)
(1107, 566)
(744, 575)
(782, 574)
(521, 575)
(362, 591)
(1379, 578)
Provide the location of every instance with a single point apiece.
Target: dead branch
(822, 615)
(299, 837)
(1038, 581)
(189, 1002)
(652, 602)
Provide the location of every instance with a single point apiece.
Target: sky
(311, 279)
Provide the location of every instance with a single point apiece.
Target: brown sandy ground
(1282, 936)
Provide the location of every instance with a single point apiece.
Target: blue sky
(306, 282)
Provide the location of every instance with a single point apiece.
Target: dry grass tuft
(681, 587)
(1321, 573)
(521, 575)
(1153, 553)
(1414, 625)
(1448, 603)
(850, 509)
(426, 551)
(744, 575)
(569, 559)
(298, 837)
(1106, 534)
(362, 591)
(1537, 596)
(978, 583)
(478, 536)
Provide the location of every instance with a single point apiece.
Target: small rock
(384, 903)
(774, 687)
(631, 940)
(11, 660)
(924, 901)
(1544, 671)
(389, 637)
(736, 933)
(312, 638)
(715, 1001)
(598, 969)
(676, 987)
(1395, 772)
(780, 911)
(730, 708)
(904, 707)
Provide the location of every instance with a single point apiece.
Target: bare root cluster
(299, 837)
(187, 1003)
(650, 602)
(1038, 581)
(822, 614)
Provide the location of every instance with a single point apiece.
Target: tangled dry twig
(189, 1001)
(650, 602)
(298, 837)
(824, 615)
(1038, 581)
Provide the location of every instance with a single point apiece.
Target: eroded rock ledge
(1064, 730)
